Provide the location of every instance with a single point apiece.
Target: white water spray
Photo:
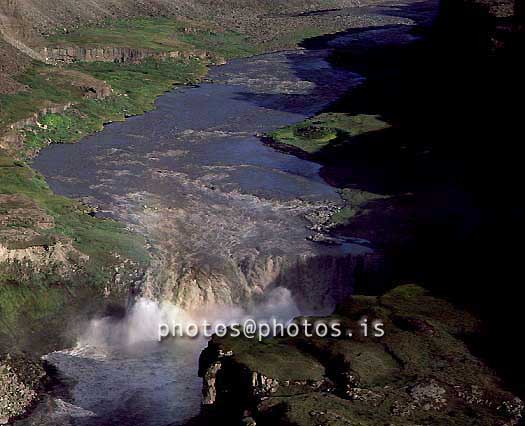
(142, 322)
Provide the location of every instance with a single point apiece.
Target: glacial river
(219, 208)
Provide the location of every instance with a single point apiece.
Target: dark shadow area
(451, 163)
(451, 89)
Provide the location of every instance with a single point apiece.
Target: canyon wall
(316, 282)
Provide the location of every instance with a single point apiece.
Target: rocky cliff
(420, 372)
(68, 55)
(315, 282)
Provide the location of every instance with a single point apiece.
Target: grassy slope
(35, 305)
(159, 34)
(143, 82)
(135, 85)
(135, 89)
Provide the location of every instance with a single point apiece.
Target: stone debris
(19, 382)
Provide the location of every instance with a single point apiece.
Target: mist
(144, 318)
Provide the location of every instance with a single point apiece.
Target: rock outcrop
(20, 379)
(112, 54)
(420, 372)
(12, 137)
(25, 240)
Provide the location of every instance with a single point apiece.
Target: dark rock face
(501, 21)
(419, 372)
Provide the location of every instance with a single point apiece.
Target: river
(225, 215)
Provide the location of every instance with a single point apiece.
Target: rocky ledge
(70, 54)
(420, 372)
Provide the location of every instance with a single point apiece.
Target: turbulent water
(225, 215)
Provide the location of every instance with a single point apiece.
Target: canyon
(229, 224)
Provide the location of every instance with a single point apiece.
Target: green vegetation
(145, 33)
(415, 301)
(273, 358)
(168, 34)
(33, 295)
(328, 129)
(354, 203)
(44, 311)
(135, 88)
(321, 136)
(158, 34)
(32, 314)
(45, 89)
(36, 300)
(92, 236)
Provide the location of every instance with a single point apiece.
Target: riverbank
(60, 251)
(63, 104)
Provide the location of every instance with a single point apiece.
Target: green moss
(28, 297)
(135, 86)
(321, 137)
(273, 358)
(332, 128)
(355, 201)
(226, 44)
(40, 313)
(406, 291)
(166, 34)
(317, 409)
(314, 409)
(328, 131)
(45, 89)
(418, 373)
(31, 303)
(413, 301)
(147, 33)
(314, 132)
(370, 362)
